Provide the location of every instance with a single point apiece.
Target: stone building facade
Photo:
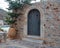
(49, 21)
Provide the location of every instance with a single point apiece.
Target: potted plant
(14, 6)
(11, 32)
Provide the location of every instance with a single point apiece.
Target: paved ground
(19, 44)
(23, 44)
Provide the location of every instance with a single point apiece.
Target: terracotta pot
(12, 33)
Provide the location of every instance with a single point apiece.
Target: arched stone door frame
(41, 20)
(33, 27)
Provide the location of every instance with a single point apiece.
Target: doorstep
(33, 40)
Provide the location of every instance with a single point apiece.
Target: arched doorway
(34, 22)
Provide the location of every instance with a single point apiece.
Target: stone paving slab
(24, 44)
(12, 46)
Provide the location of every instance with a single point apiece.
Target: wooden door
(34, 22)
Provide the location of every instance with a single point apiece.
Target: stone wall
(50, 20)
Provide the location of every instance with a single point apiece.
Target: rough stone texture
(24, 44)
(50, 20)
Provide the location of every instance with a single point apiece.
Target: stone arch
(33, 22)
(41, 16)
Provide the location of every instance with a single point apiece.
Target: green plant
(9, 20)
(14, 5)
(12, 15)
(17, 4)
